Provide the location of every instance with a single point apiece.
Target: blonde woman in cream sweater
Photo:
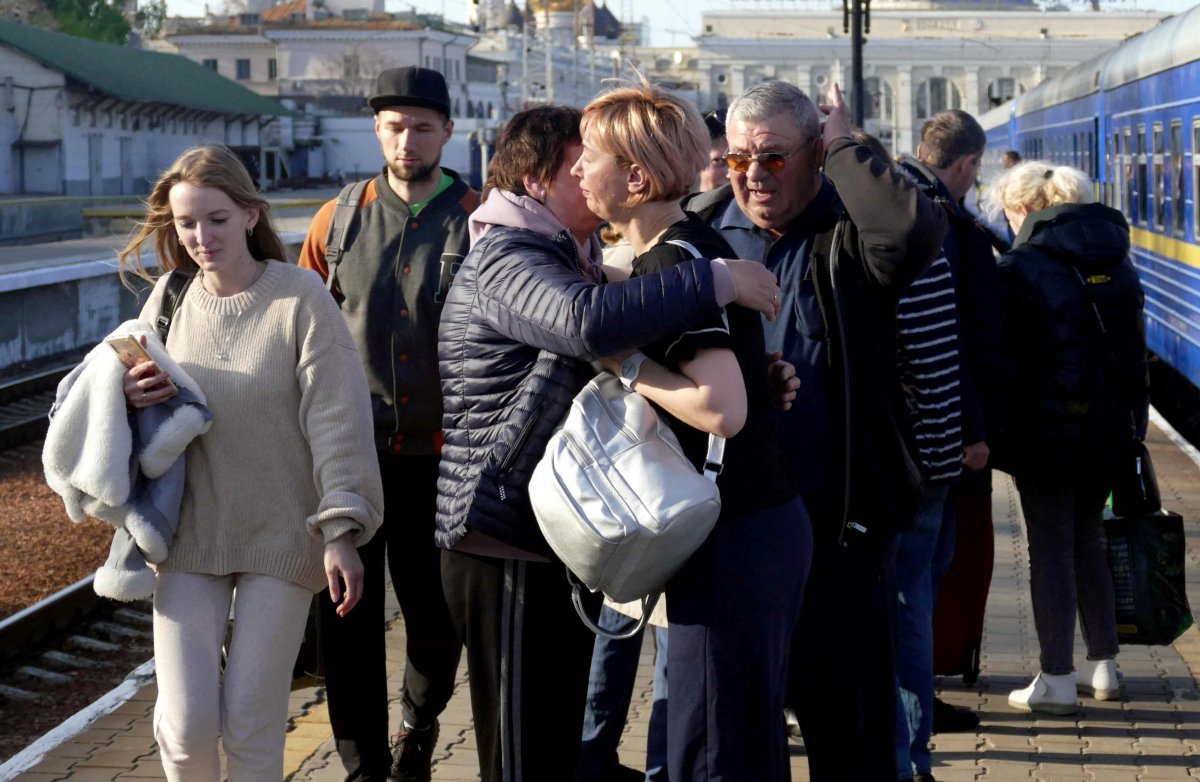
(278, 492)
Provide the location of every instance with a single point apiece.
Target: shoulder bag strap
(715, 458)
(344, 214)
(177, 285)
(648, 603)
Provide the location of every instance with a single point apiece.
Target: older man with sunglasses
(844, 242)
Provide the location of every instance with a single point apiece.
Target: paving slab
(1153, 735)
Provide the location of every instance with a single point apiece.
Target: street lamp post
(856, 20)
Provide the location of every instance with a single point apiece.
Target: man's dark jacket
(968, 248)
(520, 324)
(1077, 397)
(393, 278)
(888, 233)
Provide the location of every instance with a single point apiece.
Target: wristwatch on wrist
(630, 368)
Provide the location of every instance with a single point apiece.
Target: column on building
(905, 102)
(972, 96)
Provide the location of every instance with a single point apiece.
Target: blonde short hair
(662, 133)
(1036, 185)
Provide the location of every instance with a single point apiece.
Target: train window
(1160, 177)
(1178, 205)
(1143, 181)
(1127, 175)
(1074, 161)
(1111, 164)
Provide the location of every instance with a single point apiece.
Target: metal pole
(524, 64)
(856, 62)
(483, 155)
(549, 42)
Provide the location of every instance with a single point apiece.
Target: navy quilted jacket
(518, 329)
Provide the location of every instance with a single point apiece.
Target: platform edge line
(78, 722)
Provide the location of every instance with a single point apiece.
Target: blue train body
(1131, 120)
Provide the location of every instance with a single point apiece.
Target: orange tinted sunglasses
(771, 161)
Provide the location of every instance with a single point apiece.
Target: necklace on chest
(222, 332)
(221, 343)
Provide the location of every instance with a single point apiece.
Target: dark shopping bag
(1146, 555)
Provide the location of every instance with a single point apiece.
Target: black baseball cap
(411, 86)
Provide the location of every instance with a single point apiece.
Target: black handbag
(1135, 486)
(1146, 556)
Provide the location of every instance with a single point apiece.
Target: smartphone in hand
(131, 353)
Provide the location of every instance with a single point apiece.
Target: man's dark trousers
(353, 646)
(843, 679)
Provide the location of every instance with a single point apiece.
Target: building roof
(136, 74)
(605, 24)
(513, 16)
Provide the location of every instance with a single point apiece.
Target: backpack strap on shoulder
(344, 214)
(177, 285)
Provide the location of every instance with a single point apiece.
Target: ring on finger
(143, 396)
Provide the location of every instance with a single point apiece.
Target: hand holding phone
(131, 353)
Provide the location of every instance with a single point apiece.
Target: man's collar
(734, 217)
(823, 202)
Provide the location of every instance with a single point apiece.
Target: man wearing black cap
(389, 253)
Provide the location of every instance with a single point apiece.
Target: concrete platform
(1153, 735)
(64, 297)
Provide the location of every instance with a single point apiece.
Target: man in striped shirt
(946, 333)
(928, 354)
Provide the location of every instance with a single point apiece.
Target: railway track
(62, 653)
(24, 403)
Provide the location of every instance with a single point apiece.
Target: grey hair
(774, 97)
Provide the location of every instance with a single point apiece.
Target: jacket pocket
(511, 459)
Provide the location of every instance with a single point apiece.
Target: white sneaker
(1098, 678)
(1047, 694)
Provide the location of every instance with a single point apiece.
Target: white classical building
(921, 56)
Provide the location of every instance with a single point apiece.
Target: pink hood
(504, 209)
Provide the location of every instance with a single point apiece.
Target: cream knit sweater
(289, 462)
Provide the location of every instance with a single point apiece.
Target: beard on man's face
(417, 174)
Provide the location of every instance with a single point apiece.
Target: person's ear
(535, 189)
(636, 179)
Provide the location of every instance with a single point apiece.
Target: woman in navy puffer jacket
(526, 313)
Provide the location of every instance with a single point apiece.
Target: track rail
(25, 402)
(25, 628)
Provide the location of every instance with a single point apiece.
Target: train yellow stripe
(1166, 247)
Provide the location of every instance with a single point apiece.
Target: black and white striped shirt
(930, 369)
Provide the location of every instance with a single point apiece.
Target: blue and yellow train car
(1131, 120)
